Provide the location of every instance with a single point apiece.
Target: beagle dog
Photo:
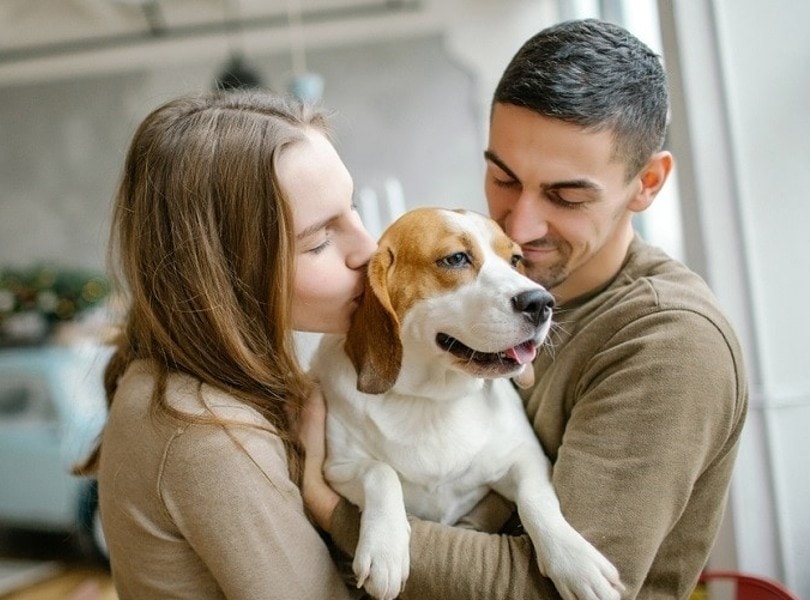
(422, 418)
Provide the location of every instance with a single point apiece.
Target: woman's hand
(320, 500)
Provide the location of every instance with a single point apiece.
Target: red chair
(749, 587)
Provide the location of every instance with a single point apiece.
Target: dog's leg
(578, 570)
(382, 557)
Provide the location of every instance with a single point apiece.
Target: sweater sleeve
(229, 493)
(645, 461)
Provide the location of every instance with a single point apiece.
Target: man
(641, 397)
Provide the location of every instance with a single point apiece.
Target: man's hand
(320, 500)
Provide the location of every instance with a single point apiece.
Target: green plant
(49, 293)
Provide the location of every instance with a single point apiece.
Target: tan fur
(375, 325)
(404, 257)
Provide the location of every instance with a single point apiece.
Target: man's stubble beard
(550, 276)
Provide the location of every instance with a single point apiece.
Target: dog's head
(448, 287)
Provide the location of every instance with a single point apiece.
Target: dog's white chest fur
(446, 452)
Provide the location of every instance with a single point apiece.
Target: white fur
(440, 439)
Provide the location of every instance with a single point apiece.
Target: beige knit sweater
(639, 402)
(201, 511)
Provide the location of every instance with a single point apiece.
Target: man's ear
(373, 342)
(651, 179)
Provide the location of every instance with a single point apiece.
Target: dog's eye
(454, 261)
(516, 260)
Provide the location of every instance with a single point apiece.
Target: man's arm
(644, 464)
(452, 562)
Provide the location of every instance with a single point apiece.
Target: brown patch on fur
(419, 240)
(404, 269)
(373, 343)
(504, 246)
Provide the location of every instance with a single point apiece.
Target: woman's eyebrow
(315, 228)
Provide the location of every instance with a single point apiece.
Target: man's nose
(526, 221)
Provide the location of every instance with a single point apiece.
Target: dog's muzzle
(536, 305)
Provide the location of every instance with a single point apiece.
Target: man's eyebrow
(582, 184)
(315, 228)
(493, 158)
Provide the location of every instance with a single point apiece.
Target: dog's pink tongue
(522, 354)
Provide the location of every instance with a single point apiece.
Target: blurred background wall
(402, 110)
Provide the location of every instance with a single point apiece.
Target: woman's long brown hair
(203, 242)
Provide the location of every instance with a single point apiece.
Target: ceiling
(36, 29)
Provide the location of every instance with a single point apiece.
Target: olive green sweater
(639, 402)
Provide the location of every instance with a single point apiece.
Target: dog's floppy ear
(373, 343)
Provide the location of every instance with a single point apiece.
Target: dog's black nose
(535, 304)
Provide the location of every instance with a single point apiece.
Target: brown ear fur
(373, 343)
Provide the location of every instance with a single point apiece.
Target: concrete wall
(403, 109)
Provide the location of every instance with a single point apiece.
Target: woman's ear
(651, 179)
(373, 342)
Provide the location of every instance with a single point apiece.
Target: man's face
(560, 192)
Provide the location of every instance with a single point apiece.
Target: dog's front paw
(578, 570)
(382, 559)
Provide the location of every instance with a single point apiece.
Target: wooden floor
(70, 572)
(72, 584)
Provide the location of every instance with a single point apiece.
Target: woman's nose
(364, 245)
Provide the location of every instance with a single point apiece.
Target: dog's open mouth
(511, 357)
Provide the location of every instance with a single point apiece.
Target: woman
(233, 226)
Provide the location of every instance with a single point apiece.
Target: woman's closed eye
(321, 246)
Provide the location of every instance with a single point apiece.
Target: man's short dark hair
(598, 76)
